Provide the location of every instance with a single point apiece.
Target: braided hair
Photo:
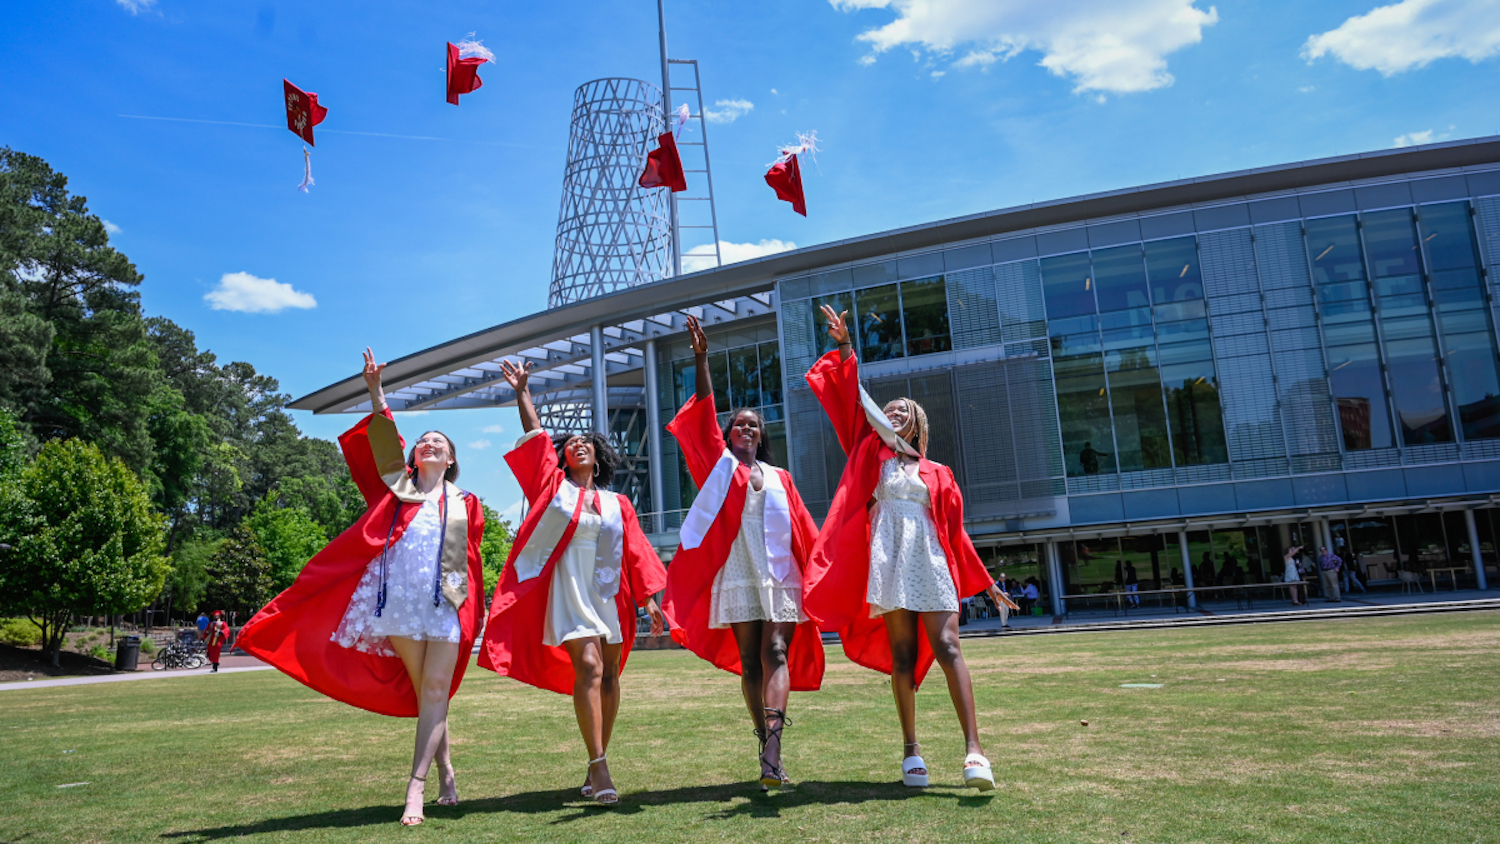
(606, 459)
(917, 420)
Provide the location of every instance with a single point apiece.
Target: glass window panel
(1067, 286)
(1417, 390)
(1374, 540)
(1172, 268)
(744, 377)
(1462, 320)
(1406, 285)
(1349, 332)
(684, 380)
(1083, 410)
(1073, 325)
(1194, 414)
(1360, 392)
(1333, 245)
(1447, 234)
(1129, 338)
(776, 438)
(1407, 327)
(1072, 344)
(1093, 570)
(879, 319)
(1476, 387)
(1343, 292)
(1458, 289)
(840, 302)
(1356, 310)
(770, 373)
(1181, 311)
(1140, 419)
(1391, 243)
(1073, 366)
(1188, 329)
(718, 370)
(1135, 356)
(1120, 276)
(924, 307)
(1190, 354)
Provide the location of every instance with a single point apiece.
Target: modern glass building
(1187, 377)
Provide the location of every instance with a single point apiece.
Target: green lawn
(1381, 730)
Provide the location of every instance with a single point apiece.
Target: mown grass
(1373, 730)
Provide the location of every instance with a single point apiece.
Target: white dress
(744, 589)
(412, 564)
(574, 609)
(908, 569)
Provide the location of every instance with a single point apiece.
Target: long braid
(919, 419)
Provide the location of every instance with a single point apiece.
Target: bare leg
(609, 689)
(776, 641)
(901, 627)
(942, 636)
(431, 665)
(747, 636)
(588, 704)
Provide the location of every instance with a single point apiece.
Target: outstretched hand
(516, 375)
(838, 329)
(697, 337)
(658, 620)
(372, 372)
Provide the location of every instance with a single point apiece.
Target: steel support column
(1476, 555)
(653, 439)
(1187, 568)
(601, 380)
(1054, 577)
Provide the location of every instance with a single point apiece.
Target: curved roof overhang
(465, 372)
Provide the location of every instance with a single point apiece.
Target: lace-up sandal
(604, 796)
(407, 818)
(760, 735)
(773, 776)
(977, 773)
(911, 765)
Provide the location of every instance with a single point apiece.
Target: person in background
(1349, 577)
(1002, 585)
(1291, 573)
(214, 638)
(1031, 594)
(1329, 566)
(1132, 584)
(202, 623)
(1088, 459)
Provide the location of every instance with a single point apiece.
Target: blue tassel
(384, 564)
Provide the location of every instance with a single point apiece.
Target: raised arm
(838, 329)
(517, 376)
(836, 384)
(704, 387)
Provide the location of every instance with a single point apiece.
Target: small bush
(21, 632)
(148, 646)
(100, 652)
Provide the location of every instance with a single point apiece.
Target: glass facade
(889, 321)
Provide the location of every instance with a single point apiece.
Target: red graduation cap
(463, 70)
(302, 111)
(785, 177)
(664, 166)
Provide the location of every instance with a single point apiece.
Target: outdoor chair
(1410, 579)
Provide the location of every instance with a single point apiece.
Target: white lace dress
(744, 589)
(574, 609)
(908, 569)
(412, 564)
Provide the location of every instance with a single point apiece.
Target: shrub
(148, 646)
(21, 632)
(100, 652)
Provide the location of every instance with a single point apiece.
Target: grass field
(1381, 730)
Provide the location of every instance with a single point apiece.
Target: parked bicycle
(177, 656)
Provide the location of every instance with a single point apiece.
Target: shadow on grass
(812, 793)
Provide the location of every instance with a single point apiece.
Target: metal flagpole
(666, 112)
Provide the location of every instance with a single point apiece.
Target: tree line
(138, 471)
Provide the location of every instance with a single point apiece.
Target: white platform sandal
(912, 763)
(977, 773)
(606, 796)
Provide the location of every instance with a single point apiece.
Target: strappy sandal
(444, 800)
(761, 736)
(776, 776)
(977, 773)
(911, 764)
(409, 819)
(605, 796)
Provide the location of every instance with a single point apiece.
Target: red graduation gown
(518, 614)
(690, 577)
(838, 576)
(294, 632)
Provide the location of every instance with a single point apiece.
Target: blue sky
(428, 221)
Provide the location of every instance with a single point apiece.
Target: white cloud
(1307, 89)
(248, 294)
(728, 111)
(135, 7)
(480, 444)
(1410, 34)
(111, 227)
(732, 253)
(1118, 46)
(512, 513)
(412, 412)
(1426, 136)
(493, 429)
(775, 92)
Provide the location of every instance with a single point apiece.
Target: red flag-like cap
(664, 166)
(785, 177)
(463, 74)
(302, 111)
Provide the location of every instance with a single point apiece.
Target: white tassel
(472, 49)
(307, 179)
(683, 113)
(806, 142)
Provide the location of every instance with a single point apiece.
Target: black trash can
(127, 653)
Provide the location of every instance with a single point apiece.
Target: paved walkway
(230, 664)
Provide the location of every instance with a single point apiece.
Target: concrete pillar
(1325, 535)
(1187, 568)
(1480, 580)
(658, 522)
(601, 380)
(1055, 578)
(1284, 530)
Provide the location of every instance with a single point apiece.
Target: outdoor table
(1451, 571)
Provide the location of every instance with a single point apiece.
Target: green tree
(494, 547)
(188, 581)
(289, 537)
(85, 540)
(239, 575)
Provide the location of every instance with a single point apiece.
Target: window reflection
(1333, 247)
(878, 315)
(1172, 268)
(1360, 393)
(1120, 276)
(840, 303)
(770, 373)
(1083, 411)
(1447, 236)
(718, 370)
(1468, 338)
(1391, 243)
(924, 307)
(744, 378)
(1067, 286)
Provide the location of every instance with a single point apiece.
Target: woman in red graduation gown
(385, 616)
(214, 639)
(893, 559)
(563, 617)
(735, 584)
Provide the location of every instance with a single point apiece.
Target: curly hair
(606, 459)
(763, 448)
(452, 473)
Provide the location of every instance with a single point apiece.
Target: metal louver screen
(1018, 289)
(798, 347)
(973, 313)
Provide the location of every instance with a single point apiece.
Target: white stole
(778, 514)
(553, 523)
(883, 427)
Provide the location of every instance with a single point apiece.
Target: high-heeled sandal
(911, 764)
(409, 819)
(606, 796)
(444, 800)
(761, 736)
(977, 773)
(776, 777)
